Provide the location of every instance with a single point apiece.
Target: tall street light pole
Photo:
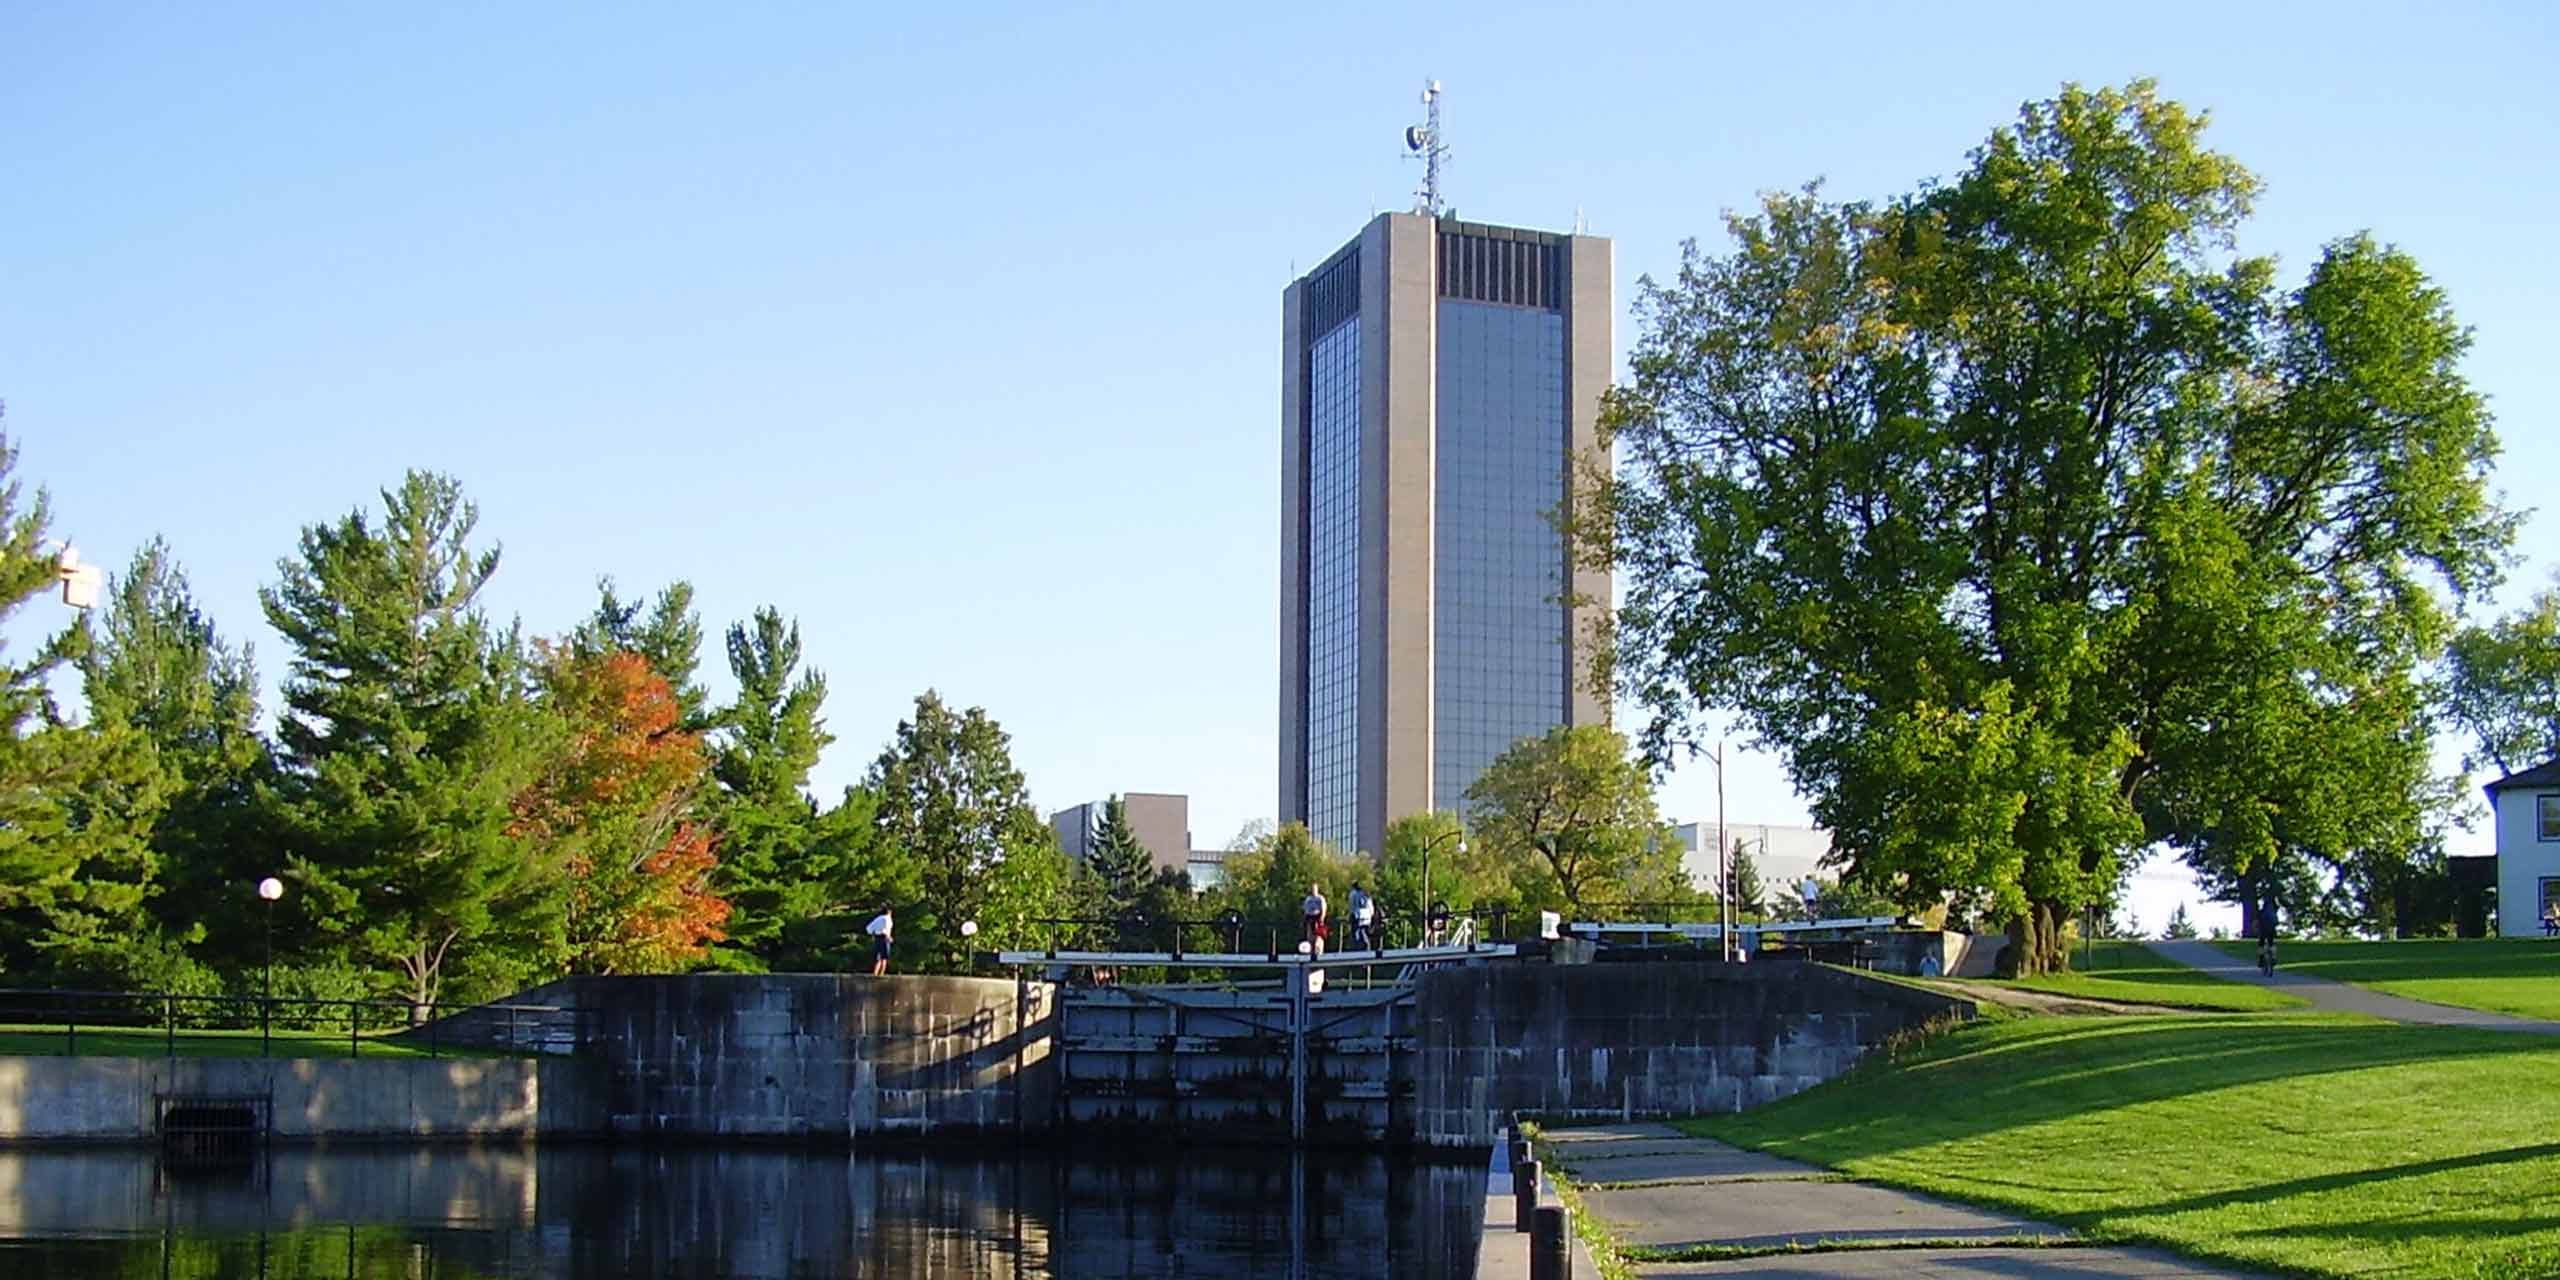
(269, 890)
(1724, 862)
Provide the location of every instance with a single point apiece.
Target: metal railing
(1232, 933)
(177, 1018)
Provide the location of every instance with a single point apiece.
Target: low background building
(1162, 824)
(1786, 856)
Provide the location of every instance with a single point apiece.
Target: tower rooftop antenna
(1425, 143)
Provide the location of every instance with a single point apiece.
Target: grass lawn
(2309, 1143)
(134, 1042)
(2503, 975)
(2128, 971)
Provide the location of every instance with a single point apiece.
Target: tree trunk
(2036, 945)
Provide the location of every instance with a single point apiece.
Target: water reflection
(590, 1212)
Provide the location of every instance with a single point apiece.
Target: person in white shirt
(1314, 907)
(880, 928)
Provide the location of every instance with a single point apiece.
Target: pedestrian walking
(881, 926)
(1314, 907)
(1364, 919)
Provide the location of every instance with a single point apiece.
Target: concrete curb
(1502, 1253)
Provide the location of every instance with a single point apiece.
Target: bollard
(1524, 1195)
(1551, 1244)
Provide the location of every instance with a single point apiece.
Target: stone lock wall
(70, 1099)
(1629, 1040)
(822, 1057)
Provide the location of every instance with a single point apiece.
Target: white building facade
(2527, 806)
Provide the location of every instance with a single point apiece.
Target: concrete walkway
(2340, 997)
(1655, 1186)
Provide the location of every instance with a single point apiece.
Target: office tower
(1438, 379)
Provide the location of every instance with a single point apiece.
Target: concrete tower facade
(1438, 380)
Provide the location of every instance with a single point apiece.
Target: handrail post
(169, 1013)
(266, 1026)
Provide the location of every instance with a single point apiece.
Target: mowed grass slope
(2503, 975)
(135, 1042)
(2309, 1143)
(2131, 972)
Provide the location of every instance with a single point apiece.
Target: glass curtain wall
(1498, 671)
(1333, 586)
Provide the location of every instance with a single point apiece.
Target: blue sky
(954, 334)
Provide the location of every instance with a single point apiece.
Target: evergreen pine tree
(76, 802)
(766, 743)
(668, 635)
(1122, 866)
(1749, 896)
(152, 667)
(2179, 925)
(409, 730)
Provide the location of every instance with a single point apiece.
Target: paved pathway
(1654, 1185)
(2340, 997)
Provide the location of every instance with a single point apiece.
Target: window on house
(2550, 901)
(2548, 810)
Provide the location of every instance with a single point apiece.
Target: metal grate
(1500, 265)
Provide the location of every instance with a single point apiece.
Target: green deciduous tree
(1267, 884)
(950, 798)
(1575, 805)
(409, 730)
(2503, 684)
(2034, 527)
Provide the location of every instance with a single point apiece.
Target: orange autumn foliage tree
(617, 802)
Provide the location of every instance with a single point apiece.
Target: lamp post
(1459, 834)
(269, 890)
(1724, 861)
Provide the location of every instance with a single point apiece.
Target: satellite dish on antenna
(1416, 137)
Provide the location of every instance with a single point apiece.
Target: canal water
(591, 1212)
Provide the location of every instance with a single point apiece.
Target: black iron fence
(220, 1025)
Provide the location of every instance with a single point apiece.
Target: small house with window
(2527, 805)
